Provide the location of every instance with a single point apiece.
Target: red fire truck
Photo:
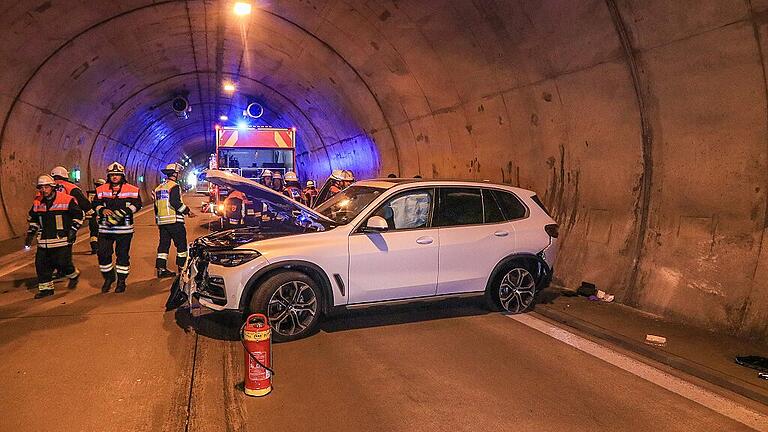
(249, 151)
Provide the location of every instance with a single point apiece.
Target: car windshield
(347, 204)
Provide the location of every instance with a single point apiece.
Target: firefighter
(116, 204)
(93, 223)
(341, 179)
(169, 215)
(266, 178)
(310, 194)
(234, 210)
(292, 189)
(54, 218)
(277, 182)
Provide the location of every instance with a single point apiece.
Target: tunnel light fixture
(242, 125)
(242, 8)
(229, 87)
(223, 117)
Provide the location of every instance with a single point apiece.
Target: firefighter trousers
(120, 245)
(178, 233)
(48, 260)
(93, 227)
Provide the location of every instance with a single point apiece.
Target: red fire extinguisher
(256, 336)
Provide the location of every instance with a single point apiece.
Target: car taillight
(553, 230)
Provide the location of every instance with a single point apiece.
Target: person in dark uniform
(54, 218)
(116, 204)
(169, 215)
(292, 189)
(234, 210)
(93, 223)
(310, 194)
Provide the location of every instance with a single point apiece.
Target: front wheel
(292, 302)
(513, 291)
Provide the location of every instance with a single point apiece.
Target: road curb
(676, 362)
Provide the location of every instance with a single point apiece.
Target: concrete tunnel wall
(641, 124)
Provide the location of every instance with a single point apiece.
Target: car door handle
(501, 233)
(424, 240)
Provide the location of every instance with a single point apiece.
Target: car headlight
(232, 258)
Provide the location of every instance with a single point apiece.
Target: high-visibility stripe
(122, 269)
(94, 238)
(132, 208)
(45, 286)
(181, 254)
(106, 267)
(280, 140)
(162, 255)
(73, 275)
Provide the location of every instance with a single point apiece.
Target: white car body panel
(392, 265)
(468, 255)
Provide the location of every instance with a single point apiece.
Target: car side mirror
(376, 224)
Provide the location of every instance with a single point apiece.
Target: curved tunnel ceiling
(619, 113)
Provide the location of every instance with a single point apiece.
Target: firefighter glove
(72, 236)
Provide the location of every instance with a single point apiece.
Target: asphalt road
(87, 361)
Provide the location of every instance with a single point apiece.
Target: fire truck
(249, 151)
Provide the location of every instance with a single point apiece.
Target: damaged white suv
(377, 241)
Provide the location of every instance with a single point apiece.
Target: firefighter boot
(73, 279)
(121, 283)
(164, 273)
(43, 293)
(109, 277)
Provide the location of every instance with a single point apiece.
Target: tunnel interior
(640, 124)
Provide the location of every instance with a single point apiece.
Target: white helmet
(290, 176)
(266, 173)
(46, 180)
(310, 183)
(115, 168)
(173, 168)
(100, 182)
(277, 175)
(60, 171)
(342, 175)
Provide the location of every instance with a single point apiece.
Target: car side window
(510, 205)
(491, 208)
(408, 210)
(460, 206)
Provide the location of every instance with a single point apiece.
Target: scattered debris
(762, 375)
(604, 296)
(755, 362)
(655, 340)
(587, 289)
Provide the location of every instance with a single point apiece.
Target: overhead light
(229, 87)
(223, 117)
(242, 8)
(242, 125)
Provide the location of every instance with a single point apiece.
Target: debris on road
(763, 375)
(655, 340)
(587, 289)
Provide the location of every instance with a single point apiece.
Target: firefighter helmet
(343, 175)
(46, 180)
(277, 175)
(60, 171)
(116, 168)
(99, 182)
(310, 183)
(290, 176)
(173, 168)
(266, 173)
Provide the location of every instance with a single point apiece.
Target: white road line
(26, 255)
(693, 392)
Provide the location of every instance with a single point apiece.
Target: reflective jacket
(234, 207)
(293, 193)
(169, 208)
(53, 219)
(124, 200)
(76, 193)
(310, 196)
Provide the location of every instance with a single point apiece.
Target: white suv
(376, 241)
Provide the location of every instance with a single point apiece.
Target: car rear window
(510, 205)
(460, 206)
(491, 208)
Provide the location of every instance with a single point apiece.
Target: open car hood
(254, 190)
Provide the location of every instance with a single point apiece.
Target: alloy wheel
(516, 290)
(292, 308)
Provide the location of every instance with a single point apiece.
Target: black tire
(513, 290)
(291, 316)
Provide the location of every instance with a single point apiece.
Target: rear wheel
(513, 290)
(292, 302)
